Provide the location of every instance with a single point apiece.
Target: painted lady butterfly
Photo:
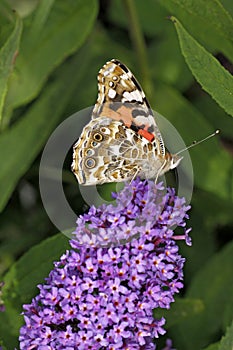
(122, 140)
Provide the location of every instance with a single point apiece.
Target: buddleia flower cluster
(123, 264)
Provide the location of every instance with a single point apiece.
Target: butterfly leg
(159, 171)
(137, 171)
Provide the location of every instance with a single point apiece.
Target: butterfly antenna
(195, 143)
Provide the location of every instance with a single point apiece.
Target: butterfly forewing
(121, 97)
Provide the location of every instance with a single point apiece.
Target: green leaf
(208, 21)
(31, 269)
(54, 31)
(211, 10)
(227, 341)
(7, 61)
(213, 78)
(21, 281)
(180, 310)
(7, 20)
(215, 114)
(20, 144)
(228, 4)
(214, 346)
(227, 317)
(166, 62)
(214, 286)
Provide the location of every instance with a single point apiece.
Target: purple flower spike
(124, 263)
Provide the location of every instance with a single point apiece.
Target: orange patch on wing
(122, 113)
(150, 137)
(125, 114)
(109, 113)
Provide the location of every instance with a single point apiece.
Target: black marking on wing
(134, 127)
(114, 106)
(151, 129)
(123, 66)
(137, 112)
(136, 83)
(117, 98)
(147, 104)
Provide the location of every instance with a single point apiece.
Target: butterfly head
(174, 161)
(171, 162)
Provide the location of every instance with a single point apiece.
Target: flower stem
(138, 43)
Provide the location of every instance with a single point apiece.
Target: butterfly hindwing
(108, 151)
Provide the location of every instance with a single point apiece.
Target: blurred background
(51, 52)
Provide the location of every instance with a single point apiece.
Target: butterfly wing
(120, 97)
(108, 151)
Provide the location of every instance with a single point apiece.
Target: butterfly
(122, 140)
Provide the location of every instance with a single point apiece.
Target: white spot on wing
(108, 70)
(134, 95)
(125, 76)
(138, 96)
(123, 83)
(141, 120)
(111, 93)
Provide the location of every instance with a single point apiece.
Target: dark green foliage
(182, 55)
